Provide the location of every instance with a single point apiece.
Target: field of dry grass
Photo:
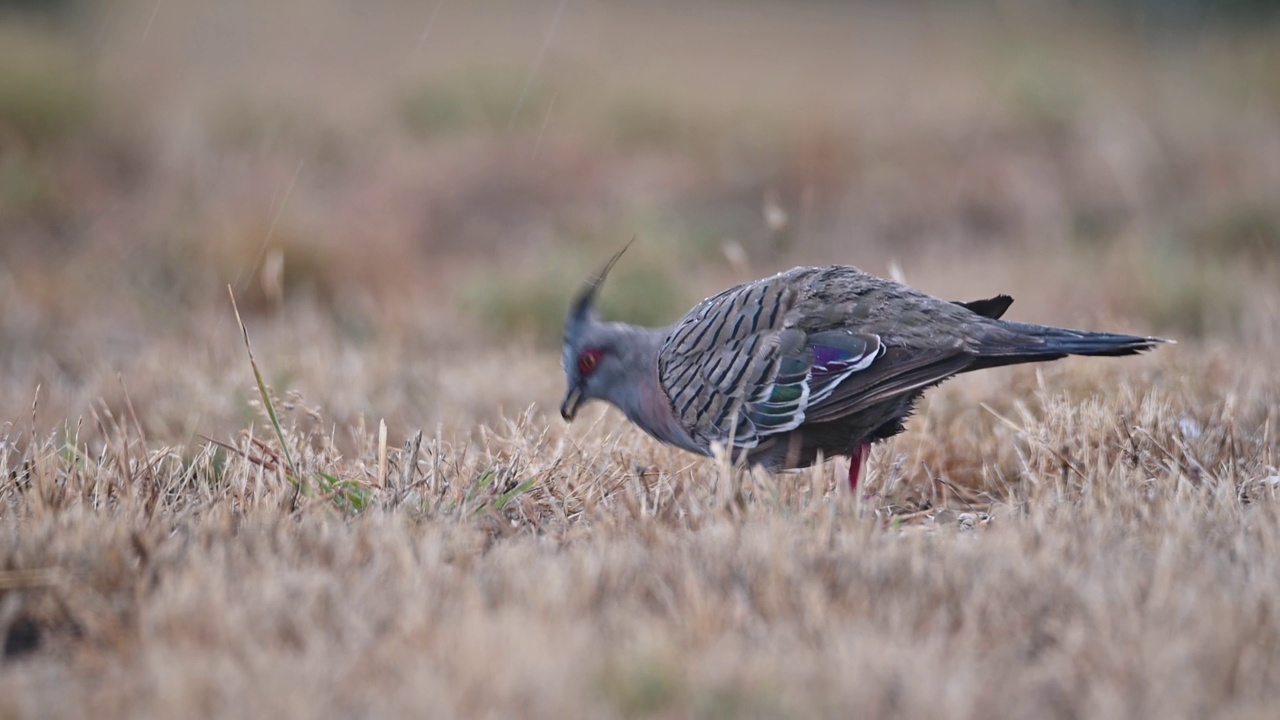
(402, 198)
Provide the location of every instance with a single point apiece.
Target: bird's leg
(855, 464)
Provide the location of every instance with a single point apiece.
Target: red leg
(855, 464)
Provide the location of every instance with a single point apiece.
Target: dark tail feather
(1023, 342)
(990, 308)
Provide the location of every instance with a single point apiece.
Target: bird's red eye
(587, 361)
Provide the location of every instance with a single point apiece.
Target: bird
(809, 364)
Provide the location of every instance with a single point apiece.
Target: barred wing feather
(737, 370)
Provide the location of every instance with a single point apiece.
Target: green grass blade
(266, 398)
(514, 493)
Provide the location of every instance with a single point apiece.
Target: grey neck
(642, 398)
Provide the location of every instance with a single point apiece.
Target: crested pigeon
(811, 363)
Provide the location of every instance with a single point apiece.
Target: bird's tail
(1010, 343)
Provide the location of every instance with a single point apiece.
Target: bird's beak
(569, 407)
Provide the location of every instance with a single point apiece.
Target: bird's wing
(767, 357)
(898, 371)
(737, 369)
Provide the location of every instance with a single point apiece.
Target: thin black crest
(581, 308)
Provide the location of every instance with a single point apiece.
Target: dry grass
(1091, 538)
(1114, 561)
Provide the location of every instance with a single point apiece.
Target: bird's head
(595, 352)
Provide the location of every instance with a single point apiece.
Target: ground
(362, 502)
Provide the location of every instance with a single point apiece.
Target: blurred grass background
(408, 189)
(403, 197)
